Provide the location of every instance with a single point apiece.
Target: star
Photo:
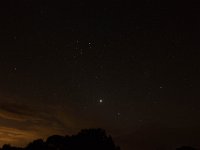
(90, 45)
(101, 101)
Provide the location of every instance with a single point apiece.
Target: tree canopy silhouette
(90, 139)
(86, 139)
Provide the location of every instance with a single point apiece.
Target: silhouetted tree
(56, 142)
(87, 139)
(91, 139)
(37, 145)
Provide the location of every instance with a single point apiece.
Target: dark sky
(130, 68)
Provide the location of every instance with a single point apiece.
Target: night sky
(130, 68)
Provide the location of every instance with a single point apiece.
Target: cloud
(18, 112)
(14, 135)
(22, 122)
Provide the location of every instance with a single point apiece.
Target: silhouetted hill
(87, 139)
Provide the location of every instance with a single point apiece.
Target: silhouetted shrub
(9, 147)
